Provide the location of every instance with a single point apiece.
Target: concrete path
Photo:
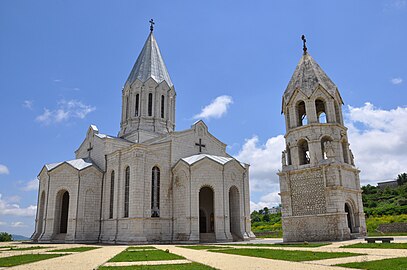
(84, 260)
(146, 263)
(233, 262)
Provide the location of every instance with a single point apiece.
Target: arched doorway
(349, 218)
(61, 212)
(234, 212)
(206, 212)
(202, 221)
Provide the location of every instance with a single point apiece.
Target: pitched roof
(221, 160)
(307, 76)
(149, 64)
(78, 164)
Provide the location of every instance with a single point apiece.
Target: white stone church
(150, 184)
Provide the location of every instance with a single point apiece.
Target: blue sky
(63, 64)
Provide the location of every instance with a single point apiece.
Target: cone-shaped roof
(306, 78)
(149, 64)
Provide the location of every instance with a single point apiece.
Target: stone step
(207, 237)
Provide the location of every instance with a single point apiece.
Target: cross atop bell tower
(319, 183)
(148, 106)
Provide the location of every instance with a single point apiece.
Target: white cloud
(66, 110)
(218, 107)
(396, 81)
(264, 161)
(4, 169)
(28, 104)
(31, 185)
(2, 223)
(12, 209)
(18, 224)
(398, 4)
(378, 140)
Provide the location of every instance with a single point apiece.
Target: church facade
(319, 183)
(150, 184)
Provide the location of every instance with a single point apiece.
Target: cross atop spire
(304, 45)
(151, 25)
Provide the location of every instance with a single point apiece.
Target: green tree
(401, 179)
(266, 218)
(5, 237)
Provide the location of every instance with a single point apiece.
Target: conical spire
(149, 64)
(306, 78)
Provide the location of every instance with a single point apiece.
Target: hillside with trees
(381, 206)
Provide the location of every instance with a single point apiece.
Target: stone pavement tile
(86, 260)
(233, 262)
(146, 263)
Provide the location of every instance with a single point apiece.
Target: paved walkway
(94, 258)
(233, 262)
(80, 261)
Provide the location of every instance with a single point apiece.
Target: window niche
(301, 114)
(137, 105)
(326, 147)
(126, 192)
(155, 192)
(150, 104)
(111, 195)
(303, 152)
(321, 111)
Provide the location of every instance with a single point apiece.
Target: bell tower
(319, 183)
(148, 96)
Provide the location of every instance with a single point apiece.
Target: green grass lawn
(203, 247)
(186, 266)
(78, 249)
(26, 258)
(393, 264)
(310, 245)
(378, 245)
(286, 255)
(1, 247)
(27, 248)
(144, 255)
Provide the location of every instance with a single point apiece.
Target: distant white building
(150, 183)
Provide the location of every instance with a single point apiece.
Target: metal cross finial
(151, 25)
(304, 41)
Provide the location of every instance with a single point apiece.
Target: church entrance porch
(206, 215)
(61, 215)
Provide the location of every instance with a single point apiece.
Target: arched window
(155, 192)
(162, 106)
(111, 195)
(136, 109)
(321, 111)
(345, 151)
(326, 147)
(150, 104)
(126, 115)
(126, 192)
(303, 152)
(301, 114)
